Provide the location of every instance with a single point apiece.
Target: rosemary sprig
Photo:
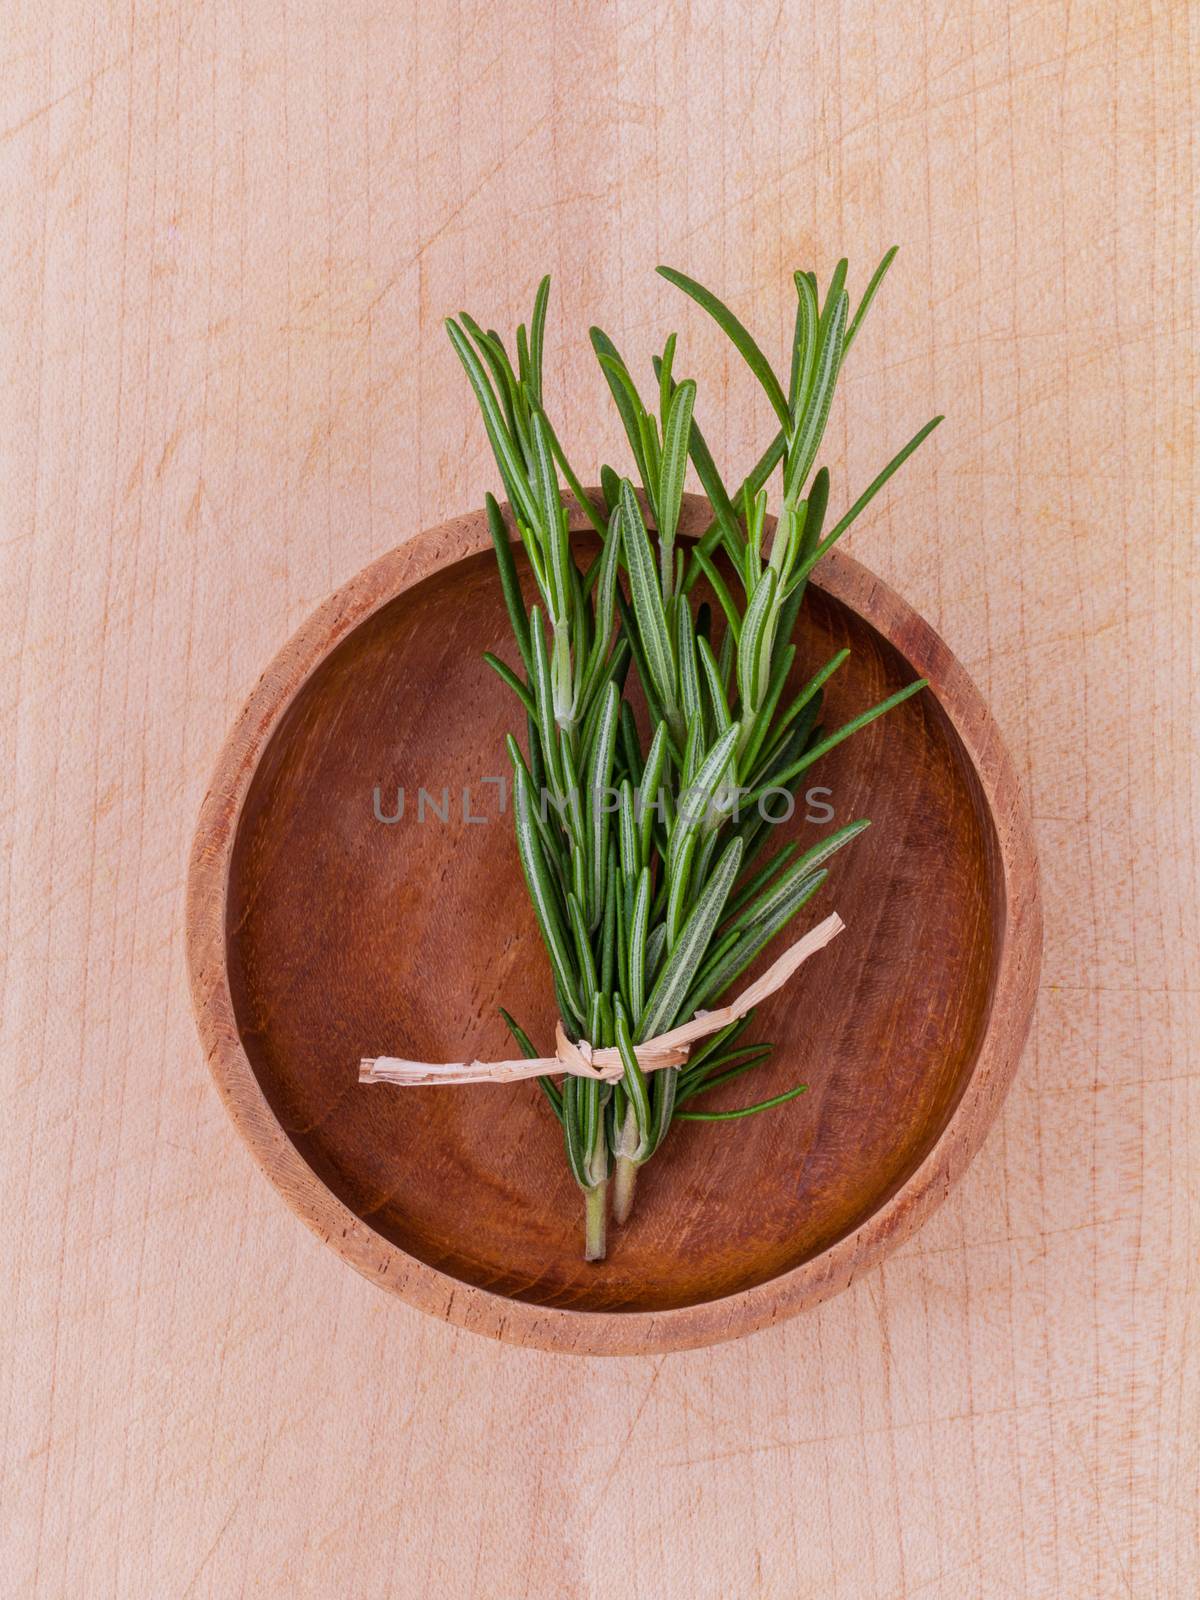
(637, 862)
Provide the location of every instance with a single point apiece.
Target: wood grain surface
(231, 231)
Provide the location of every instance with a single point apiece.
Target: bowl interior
(349, 935)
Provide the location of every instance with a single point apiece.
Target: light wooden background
(231, 228)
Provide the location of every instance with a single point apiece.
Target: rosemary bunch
(640, 861)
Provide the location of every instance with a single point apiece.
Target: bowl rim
(608, 1332)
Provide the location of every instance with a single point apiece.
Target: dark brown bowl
(318, 934)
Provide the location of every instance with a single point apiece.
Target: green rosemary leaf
(811, 688)
(610, 487)
(718, 586)
(662, 371)
(554, 530)
(811, 427)
(541, 892)
(599, 782)
(677, 429)
(637, 943)
(544, 698)
(804, 346)
(866, 497)
(844, 732)
(716, 1043)
(606, 585)
(583, 951)
(679, 879)
(770, 899)
(631, 749)
(537, 339)
(760, 879)
(634, 1080)
(608, 945)
(753, 643)
(648, 794)
(864, 304)
(696, 800)
(666, 1081)
(746, 1060)
(738, 334)
(505, 672)
(671, 988)
(572, 793)
(647, 598)
(546, 1084)
(762, 718)
(624, 393)
(627, 830)
(493, 353)
(656, 945)
(582, 497)
(689, 682)
(512, 469)
(716, 690)
(631, 635)
(572, 1131)
(742, 1111)
(721, 970)
(510, 584)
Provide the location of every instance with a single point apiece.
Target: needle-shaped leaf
(811, 426)
(634, 1081)
(508, 676)
(844, 732)
(537, 339)
(624, 393)
(546, 1084)
(740, 336)
(680, 877)
(599, 787)
(638, 934)
(584, 961)
(510, 584)
(671, 988)
(554, 532)
(753, 642)
(743, 1111)
(542, 893)
(865, 499)
(685, 655)
(720, 589)
(762, 718)
(695, 808)
(672, 472)
(543, 695)
(647, 598)
(804, 345)
(716, 690)
(864, 304)
(770, 898)
(512, 469)
(649, 789)
(627, 832)
(719, 973)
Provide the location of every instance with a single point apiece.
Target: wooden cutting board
(231, 233)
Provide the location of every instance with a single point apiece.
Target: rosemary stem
(595, 1208)
(625, 1169)
(624, 1179)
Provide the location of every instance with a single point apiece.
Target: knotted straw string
(664, 1050)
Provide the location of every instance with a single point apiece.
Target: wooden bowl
(318, 934)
